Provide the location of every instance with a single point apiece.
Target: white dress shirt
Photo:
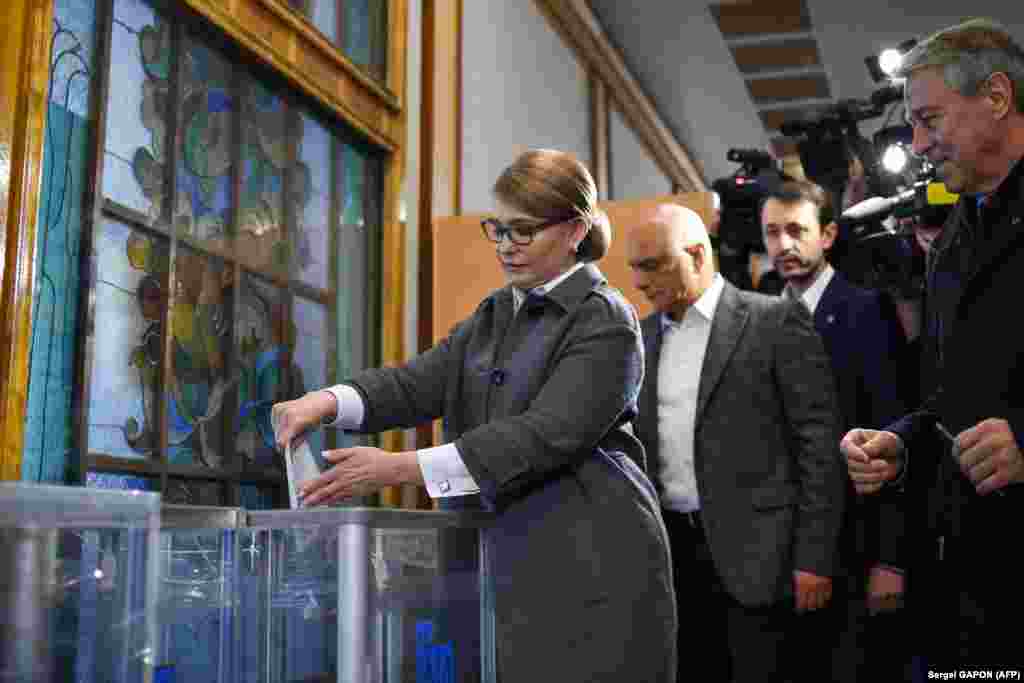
(444, 472)
(812, 295)
(683, 347)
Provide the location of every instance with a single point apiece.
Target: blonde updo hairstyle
(552, 185)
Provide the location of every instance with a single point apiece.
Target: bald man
(739, 417)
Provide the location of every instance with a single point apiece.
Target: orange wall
(466, 268)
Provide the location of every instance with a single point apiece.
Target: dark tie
(790, 292)
(534, 303)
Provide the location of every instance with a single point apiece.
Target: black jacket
(974, 364)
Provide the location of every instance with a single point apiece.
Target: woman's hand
(360, 471)
(292, 419)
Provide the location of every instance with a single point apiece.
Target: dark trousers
(720, 640)
(829, 643)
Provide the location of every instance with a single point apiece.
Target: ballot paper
(299, 464)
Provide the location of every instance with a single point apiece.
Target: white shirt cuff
(444, 473)
(350, 408)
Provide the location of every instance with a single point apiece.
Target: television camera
(880, 250)
(739, 233)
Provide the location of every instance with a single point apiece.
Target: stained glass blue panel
(311, 343)
(134, 158)
(121, 482)
(265, 344)
(71, 64)
(130, 298)
(360, 22)
(324, 15)
(255, 497)
(199, 395)
(48, 447)
(352, 303)
(311, 355)
(357, 27)
(205, 183)
(311, 239)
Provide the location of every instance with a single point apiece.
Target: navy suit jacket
(867, 349)
(866, 346)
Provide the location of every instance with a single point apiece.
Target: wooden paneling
(392, 303)
(280, 37)
(600, 135)
(24, 68)
(751, 59)
(467, 269)
(440, 156)
(763, 16)
(796, 88)
(393, 244)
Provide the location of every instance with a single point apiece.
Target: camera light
(894, 160)
(889, 60)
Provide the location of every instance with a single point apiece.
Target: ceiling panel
(766, 16)
(792, 88)
(753, 59)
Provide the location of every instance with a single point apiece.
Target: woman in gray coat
(536, 389)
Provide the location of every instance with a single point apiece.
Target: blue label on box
(164, 674)
(435, 662)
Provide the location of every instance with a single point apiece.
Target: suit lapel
(502, 320)
(726, 329)
(826, 313)
(652, 351)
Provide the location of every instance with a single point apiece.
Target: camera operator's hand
(873, 458)
(989, 455)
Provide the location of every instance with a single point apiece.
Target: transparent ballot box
(199, 599)
(77, 584)
(372, 595)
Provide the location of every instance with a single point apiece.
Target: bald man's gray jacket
(766, 449)
(537, 405)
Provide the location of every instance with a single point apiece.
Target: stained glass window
(357, 27)
(49, 444)
(127, 345)
(229, 264)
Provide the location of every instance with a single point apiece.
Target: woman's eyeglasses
(520, 232)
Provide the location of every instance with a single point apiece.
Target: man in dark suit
(960, 456)
(737, 411)
(864, 341)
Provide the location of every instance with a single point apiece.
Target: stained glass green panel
(267, 170)
(199, 398)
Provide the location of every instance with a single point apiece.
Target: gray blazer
(539, 412)
(766, 448)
